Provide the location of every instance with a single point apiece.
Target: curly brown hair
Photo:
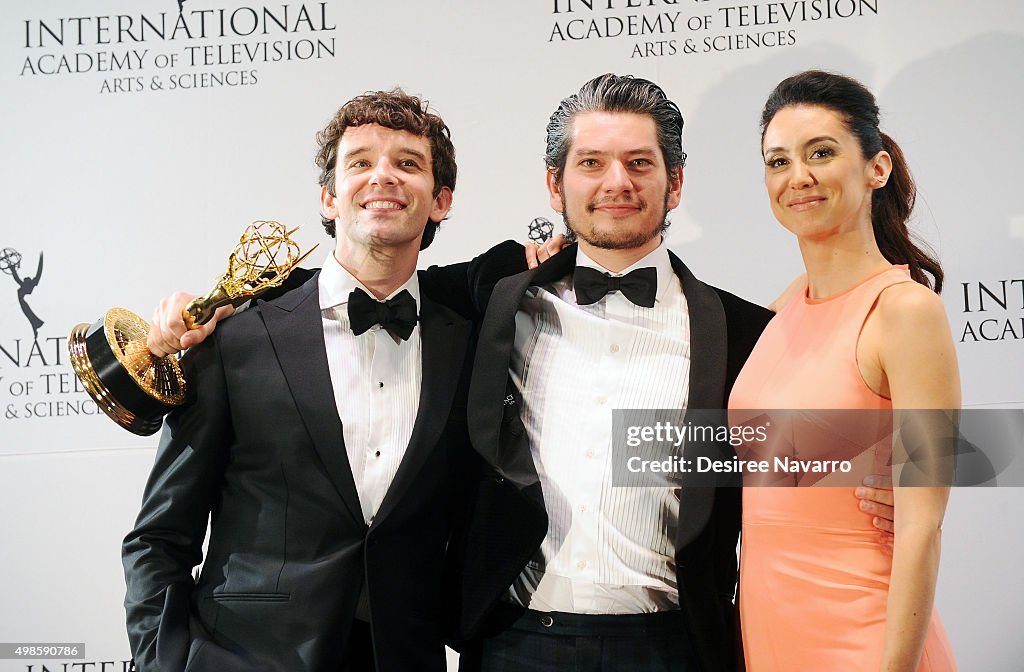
(398, 111)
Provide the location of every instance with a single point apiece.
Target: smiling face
(819, 182)
(383, 190)
(615, 190)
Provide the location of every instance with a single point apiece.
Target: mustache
(617, 200)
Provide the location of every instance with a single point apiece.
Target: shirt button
(583, 508)
(614, 348)
(590, 453)
(377, 454)
(601, 400)
(581, 564)
(380, 384)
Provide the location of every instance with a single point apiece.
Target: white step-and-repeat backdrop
(141, 136)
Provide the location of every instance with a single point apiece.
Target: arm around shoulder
(466, 287)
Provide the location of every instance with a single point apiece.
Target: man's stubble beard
(639, 239)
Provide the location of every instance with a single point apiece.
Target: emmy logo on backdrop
(134, 387)
(10, 262)
(540, 230)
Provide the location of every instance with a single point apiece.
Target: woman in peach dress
(864, 328)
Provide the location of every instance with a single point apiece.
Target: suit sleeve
(449, 285)
(165, 545)
(745, 322)
(466, 287)
(295, 279)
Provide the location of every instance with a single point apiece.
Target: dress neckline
(811, 302)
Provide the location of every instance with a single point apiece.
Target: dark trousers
(359, 649)
(556, 642)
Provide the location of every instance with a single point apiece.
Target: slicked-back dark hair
(398, 111)
(617, 93)
(891, 204)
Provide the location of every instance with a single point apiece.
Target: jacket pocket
(252, 597)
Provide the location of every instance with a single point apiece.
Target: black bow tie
(397, 315)
(639, 286)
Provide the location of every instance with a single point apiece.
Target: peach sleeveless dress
(813, 578)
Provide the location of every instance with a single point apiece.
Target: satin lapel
(488, 387)
(708, 351)
(708, 340)
(296, 329)
(444, 337)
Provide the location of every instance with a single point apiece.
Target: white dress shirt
(608, 550)
(376, 379)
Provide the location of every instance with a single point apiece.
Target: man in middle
(561, 570)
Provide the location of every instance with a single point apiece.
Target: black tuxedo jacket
(507, 521)
(259, 451)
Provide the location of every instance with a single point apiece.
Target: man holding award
(322, 442)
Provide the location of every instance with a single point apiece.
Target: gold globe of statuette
(134, 387)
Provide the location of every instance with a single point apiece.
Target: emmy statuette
(134, 387)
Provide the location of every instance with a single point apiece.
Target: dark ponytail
(891, 204)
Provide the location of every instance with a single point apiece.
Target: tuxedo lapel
(444, 337)
(708, 351)
(295, 327)
(708, 340)
(488, 392)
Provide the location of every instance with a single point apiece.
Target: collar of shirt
(336, 283)
(658, 258)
